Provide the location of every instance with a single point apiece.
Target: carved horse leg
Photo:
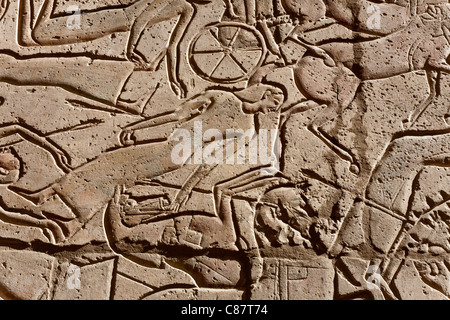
(336, 87)
(418, 112)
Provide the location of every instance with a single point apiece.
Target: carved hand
(3, 7)
(126, 137)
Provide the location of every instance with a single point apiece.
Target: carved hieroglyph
(224, 149)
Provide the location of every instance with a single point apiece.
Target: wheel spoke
(233, 40)
(228, 70)
(257, 49)
(208, 51)
(217, 65)
(215, 36)
(227, 52)
(238, 63)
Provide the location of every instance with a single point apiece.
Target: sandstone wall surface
(224, 149)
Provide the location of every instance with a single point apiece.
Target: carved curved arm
(58, 154)
(299, 107)
(193, 108)
(188, 186)
(186, 111)
(328, 60)
(56, 235)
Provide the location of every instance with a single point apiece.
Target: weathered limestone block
(224, 149)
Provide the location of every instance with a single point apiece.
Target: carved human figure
(367, 16)
(396, 54)
(86, 191)
(391, 200)
(51, 30)
(280, 216)
(392, 185)
(392, 179)
(11, 171)
(341, 66)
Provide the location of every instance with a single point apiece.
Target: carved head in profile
(282, 216)
(262, 98)
(437, 18)
(9, 167)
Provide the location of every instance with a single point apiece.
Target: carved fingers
(139, 61)
(63, 161)
(433, 12)
(178, 88)
(3, 7)
(180, 200)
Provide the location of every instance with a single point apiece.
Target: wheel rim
(227, 52)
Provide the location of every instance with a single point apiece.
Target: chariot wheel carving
(227, 52)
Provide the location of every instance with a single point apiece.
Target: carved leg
(25, 24)
(94, 25)
(50, 228)
(219, 189)
(155, 14)
(59, 155)
(418, 112)
(328, 114)
(246, 182)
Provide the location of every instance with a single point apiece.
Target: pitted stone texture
(224, 149)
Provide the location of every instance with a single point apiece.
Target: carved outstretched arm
(186, 111)
(328, 60)
(16, 218)
(297, 108)
(183, 195)
(59, 155)
(254, 179)
(152, 122)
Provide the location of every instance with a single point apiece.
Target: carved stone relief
(224, 149)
